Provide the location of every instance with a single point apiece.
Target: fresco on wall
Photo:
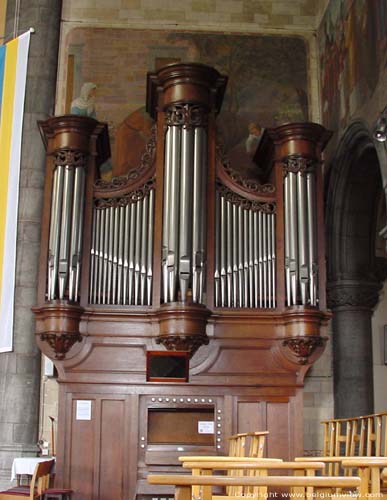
(353, 43)
(267, 83)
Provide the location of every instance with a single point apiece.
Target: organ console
(182, 253)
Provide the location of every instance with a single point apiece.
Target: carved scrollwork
(298, 163)
(132, 197)
(303, 347)
(352, 293)
(61, 343)
(189, 343)
(187, 115)
(146, 163)
(251, 185)
(70, 158)
(235, 199)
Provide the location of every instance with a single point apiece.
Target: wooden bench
(39, 483)
(184, 484)
(250, 468)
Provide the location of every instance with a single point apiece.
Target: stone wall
(19, 370)
(278, 14)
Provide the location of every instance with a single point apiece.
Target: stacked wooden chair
(356, 446)
(247, 444)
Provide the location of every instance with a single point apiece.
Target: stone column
(20, 369)
(352, 302)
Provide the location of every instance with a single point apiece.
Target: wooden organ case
(181, 254)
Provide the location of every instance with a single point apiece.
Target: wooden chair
(184, 484)
(39, 483)
(253, 441)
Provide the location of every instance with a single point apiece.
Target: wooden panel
(111, 468)
(82, 454)
(279, 427)
(250, 416)
(251, 360)
(172, 426)
(112, 359)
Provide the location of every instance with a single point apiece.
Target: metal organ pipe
(65, 230)
(300, 235)
(66, 226)
(312, 237)
(121, 269)
(56, 209)
(245, 255)
(198, 212)
(184, 210)
(303, 271)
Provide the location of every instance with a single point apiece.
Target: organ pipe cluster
(245, 254)
(300, 232)
(66, 226)
(121, 268)
(184, 211)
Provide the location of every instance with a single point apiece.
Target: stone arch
(354, 192)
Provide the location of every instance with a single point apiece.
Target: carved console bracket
(304, 346)
(190, 343)
(61, 343)
(183, 326)
(57, 326)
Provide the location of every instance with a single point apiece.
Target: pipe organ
(182, 254)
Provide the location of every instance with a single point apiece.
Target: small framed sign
(167, 366)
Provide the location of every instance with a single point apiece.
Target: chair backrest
(238, 444)
(41, 479)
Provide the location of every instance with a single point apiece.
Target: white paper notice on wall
(83, 409)
(206, 427)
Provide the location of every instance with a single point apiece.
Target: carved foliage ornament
(61, 343)
(132, 197)
(187, 115)
(355, 294)
(298, 163)
(251, 185)
(303, 347)
(189, 343)
(147, 159)
(71, 158)
(235, 199)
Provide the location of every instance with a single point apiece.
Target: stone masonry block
(131, 4)
(27, 263)
(30, 204)
(204, 5)
(286, 8)
(231, 6)
(7, 365)
(25, 296)
(22, 433)
(27, 363)
(21, 401)
(261, 18)
(6, 430)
